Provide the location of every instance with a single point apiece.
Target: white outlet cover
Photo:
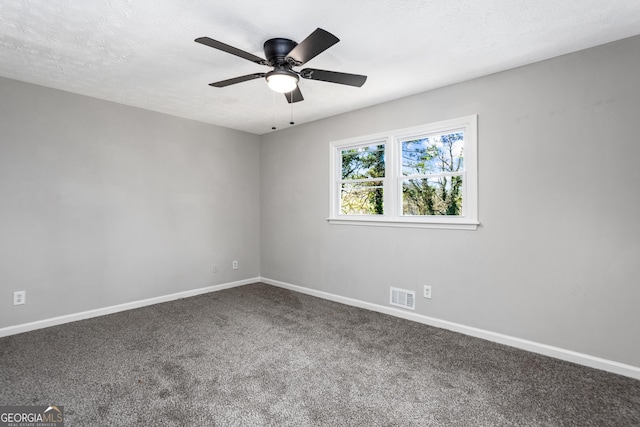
(19, 297)
(427, 291)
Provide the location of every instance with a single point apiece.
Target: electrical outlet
(235, 264)
(19, 297)
(215, 268)
(427, 291)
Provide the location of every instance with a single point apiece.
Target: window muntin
(424, 176)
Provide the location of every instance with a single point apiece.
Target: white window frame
(392, 182)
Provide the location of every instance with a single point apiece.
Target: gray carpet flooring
(258, 355)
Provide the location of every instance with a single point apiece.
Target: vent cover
(403, 298)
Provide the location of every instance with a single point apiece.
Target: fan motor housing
(276, 50)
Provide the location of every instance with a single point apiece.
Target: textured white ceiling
(142, 53)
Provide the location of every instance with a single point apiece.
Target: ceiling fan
(284, 54)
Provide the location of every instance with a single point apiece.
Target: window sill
(405, 224)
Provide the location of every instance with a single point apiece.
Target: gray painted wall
(556, 259)
(103, 204)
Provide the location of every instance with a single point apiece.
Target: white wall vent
(403, 298)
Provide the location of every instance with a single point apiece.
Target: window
(424, 176)
(362, 178)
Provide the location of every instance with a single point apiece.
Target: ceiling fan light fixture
(282, 55)
(282, 81)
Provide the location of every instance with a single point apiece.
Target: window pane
(433, 154)
(363, 162)
(362, 198)
(432, 196)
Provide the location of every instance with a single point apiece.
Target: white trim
(67, 318)
(404, 224)
(547, 350)
(544, 349)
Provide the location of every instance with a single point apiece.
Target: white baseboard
(547, 350)
(39, 324)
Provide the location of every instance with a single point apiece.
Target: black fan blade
(316, 43)
(333, 77)
(235, 80)
(294, 96)
(230, 49)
